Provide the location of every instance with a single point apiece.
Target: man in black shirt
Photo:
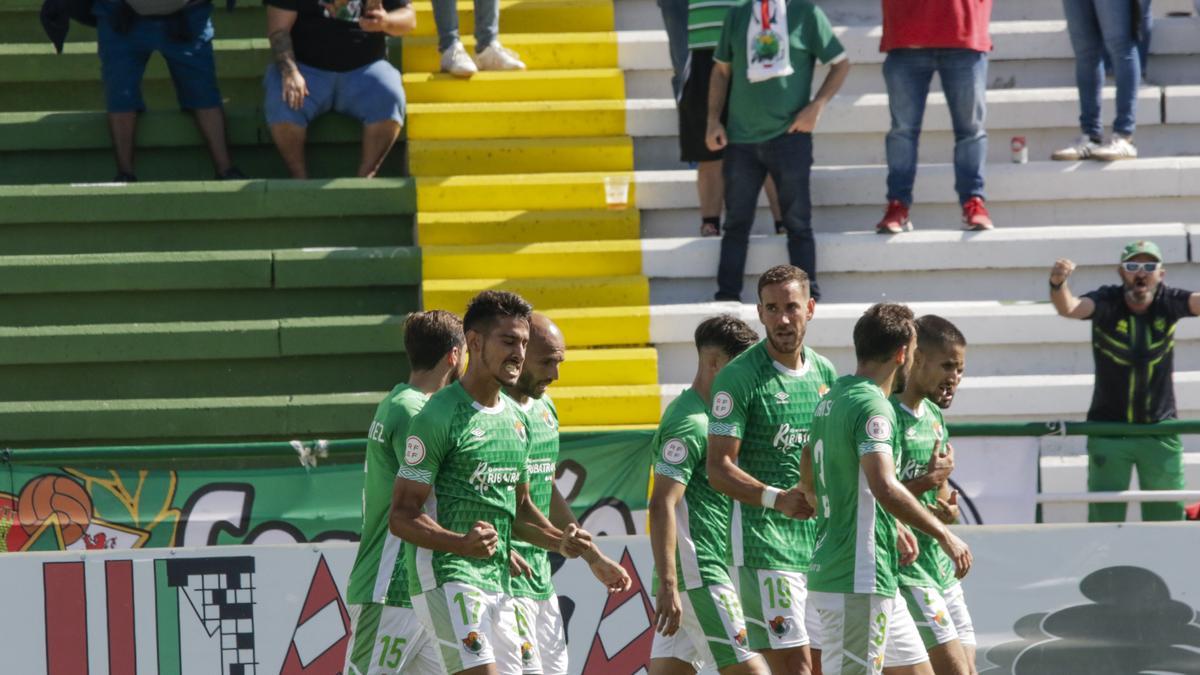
(1133, 344)
(332, 55)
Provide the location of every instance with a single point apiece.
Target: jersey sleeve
(1102, 299)
(680, 448)
(730, 405)
(1177, 302)
(724, 50)
(526, 437)
(427, 444)
(823, 41)
(398, 422)
(875, 427)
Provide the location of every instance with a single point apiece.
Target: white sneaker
(497, 57)
(1117, 147)
(456, 61)
(1082, 148)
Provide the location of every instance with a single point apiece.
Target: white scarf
(767, 45)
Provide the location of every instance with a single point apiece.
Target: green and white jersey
(918, 431)
(474, 457)
(705, 19)
(543, 456)
(769, 407)
(702, 516)
(856, 538)
(378, 572)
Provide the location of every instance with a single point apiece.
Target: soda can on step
(1020, 150)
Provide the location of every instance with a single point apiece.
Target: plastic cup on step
(616, 192)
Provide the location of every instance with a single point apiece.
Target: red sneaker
(975, 215)
(895, 219)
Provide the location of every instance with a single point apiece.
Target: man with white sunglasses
(1133, 344)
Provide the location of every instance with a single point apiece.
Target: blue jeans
(1143, 41)
(907, 73)
(788, 159)
(675, 20)
(1096, 27)
(487, 22)
(370, 94)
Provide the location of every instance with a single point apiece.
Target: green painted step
(141, 343)
(166, 420)
(252, 199)
(19, 22)
(205, 270)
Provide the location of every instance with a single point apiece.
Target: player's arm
(408, 521)
(606, 570)
(880, 471)
(1065, 302)
(1194, 303)
(728, 478)
(807, 484)
(946, 508)
(668, 608)
(531, 525)
(937, 472)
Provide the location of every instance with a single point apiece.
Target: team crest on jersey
(526, 652)
(414, 450)
(740, 638)
(781, 626)
(473, 643)
(674, 451)
(879, 428)
(822, 390)
(548, 418)
(520, 427)
(722, 405)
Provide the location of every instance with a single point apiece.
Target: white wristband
(769, 495)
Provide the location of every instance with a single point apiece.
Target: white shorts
(775, 603)
(469, 625)
(679, 646)
(861, 633)
(541, 634)
(929, 612)
(386, 640)
(956, 602)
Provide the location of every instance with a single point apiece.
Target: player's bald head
(544, 331)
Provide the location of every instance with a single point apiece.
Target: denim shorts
(123, 58)
(370, 94)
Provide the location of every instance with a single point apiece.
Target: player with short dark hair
(849, 476)
(933, 595)
(386, 636)
(698, 615)
(760, 413)
(463, 494)
(539, 624)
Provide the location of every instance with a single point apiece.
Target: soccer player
(539, 622)
(930, 590)
(850, 476)
(463, 493)
(386, 635)
(698, 615)
(759, 420)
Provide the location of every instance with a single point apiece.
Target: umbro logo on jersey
(781, 397)
(910, 434)
(477, 432)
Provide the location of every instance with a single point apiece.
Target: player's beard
(789, 344)
(1140, 294)
(901, 380)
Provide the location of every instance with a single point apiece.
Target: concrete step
(527, 227)
(558, 293)
(508, 155)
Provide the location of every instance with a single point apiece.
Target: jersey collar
(804, 368)
(918, 413)
(494, 410)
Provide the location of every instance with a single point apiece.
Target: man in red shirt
(949, 37)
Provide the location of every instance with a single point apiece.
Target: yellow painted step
(501, 227)
(609, 367)
(528, 192)
(603, 326)
(596, 406)
(547, 260)
(519, 155)
(516, 119)
(453, 294)
(528, 16)
(540, 51)
(527, 85)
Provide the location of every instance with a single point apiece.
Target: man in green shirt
(463, 494)
(930, 590)
(767, 50)
(698, 615)
(386, 635)
(538, 621)
(759, 420)
(849, 475)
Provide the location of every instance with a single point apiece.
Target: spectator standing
(1133, 345)
(950, 38)
(772, 115)
(1097, 27)
(675, 22)
(333, 56)
(128, 32)
(489, 53)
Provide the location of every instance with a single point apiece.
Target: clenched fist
(1061, 270)
(480, 541)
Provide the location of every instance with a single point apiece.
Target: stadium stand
(191, 310)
